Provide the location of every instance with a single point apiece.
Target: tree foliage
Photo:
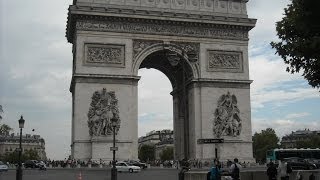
(147, 153)
(312, 142)
(167, 154)
(5, 129)
(13, 157)
(299, 32)
(262, 142)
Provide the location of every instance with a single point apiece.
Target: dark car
(31, 164)
(299, 163)
(137, 163)
(314, 161)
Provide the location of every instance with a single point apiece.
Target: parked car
(3, 167)
(126, 167)
(31, 164)
(314, 161)
(299, 163)
(41, 165)
(137, 163)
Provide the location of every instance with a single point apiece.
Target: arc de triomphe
(200, 45)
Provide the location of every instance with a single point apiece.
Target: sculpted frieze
(229, 61)
(227, 121)
(104, 55)
(191, 49)
(103, 109)
(140, 45)
(162, 29)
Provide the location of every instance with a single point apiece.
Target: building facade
(10, 143)
(160, 139)
(290, 141)
(155, 137)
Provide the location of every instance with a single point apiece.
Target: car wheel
(311, 167)
(131, 170)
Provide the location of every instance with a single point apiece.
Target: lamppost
(19, 170)
(114, 149)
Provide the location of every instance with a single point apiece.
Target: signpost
(210, 141)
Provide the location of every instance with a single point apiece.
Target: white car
(126, 167)
(3, 167)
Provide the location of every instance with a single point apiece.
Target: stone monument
(200, 45)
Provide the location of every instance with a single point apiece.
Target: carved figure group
(103, 109)
(227, 119)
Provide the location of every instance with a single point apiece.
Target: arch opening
(179, 72)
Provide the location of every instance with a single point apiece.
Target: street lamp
(114, 169)
(19, 170)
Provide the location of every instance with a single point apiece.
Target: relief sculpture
(227, 120)
(103, 108)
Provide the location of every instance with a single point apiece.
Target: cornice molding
(103, 79)
(156, 22)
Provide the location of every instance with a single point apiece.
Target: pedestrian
(215, 172)
(312, 177)
(299, 176)
(235, 169)
(272, 171)
(283, 170)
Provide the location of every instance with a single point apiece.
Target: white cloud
(269, 76)
(297, 115)
(157, 122)
(283, 126)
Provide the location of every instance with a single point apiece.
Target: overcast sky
(35, 74)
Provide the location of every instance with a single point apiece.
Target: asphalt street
(74, 174)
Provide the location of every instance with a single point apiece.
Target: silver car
(3, 167)
(126, 167)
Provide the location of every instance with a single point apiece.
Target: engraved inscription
(225, 61)
(104, 55)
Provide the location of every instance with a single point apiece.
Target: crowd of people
(283, 171)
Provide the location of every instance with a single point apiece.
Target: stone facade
(200, 45)
(159, 139)
(290, 140)
(10, 143)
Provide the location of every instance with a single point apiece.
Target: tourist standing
(272, 171)
(215, 172)
(283, 171)
(235, 169)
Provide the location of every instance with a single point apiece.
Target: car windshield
(1, 163)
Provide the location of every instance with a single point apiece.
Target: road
(98, 174)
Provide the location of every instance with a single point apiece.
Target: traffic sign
(210, 141)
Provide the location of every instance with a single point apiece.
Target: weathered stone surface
(201, 45)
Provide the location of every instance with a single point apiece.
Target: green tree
(262, 142)
(167, 154)
(299, 32)
(13, 157)
(147, 152)
(312, 142)
(5, 129)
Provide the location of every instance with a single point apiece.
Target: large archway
(202, 47)
(179, 72)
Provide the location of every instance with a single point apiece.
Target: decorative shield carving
(227, 120)
(103, 108)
